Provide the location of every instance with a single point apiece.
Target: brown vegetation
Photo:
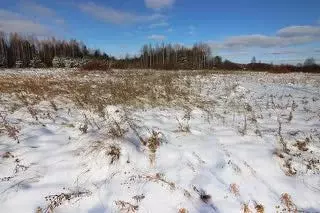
(286, 200)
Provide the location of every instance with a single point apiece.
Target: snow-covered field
(158, 141)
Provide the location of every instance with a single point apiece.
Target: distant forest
(18, 51)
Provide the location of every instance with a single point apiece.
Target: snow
(229, 153)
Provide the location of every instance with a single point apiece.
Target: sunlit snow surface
(233, 155)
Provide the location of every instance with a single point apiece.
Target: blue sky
(282, 31)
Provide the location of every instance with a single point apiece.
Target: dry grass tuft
(11, 130)
(302, 145)
(7, 155)
(160, 178)
(183, 126)
(234, 189)
(153, 141)
(84, 128)
(57, 200)
(246, 208)
(286, 200)
(183, 210)
(126, 206)
(114, 152)
(259, 208)
(116, 130)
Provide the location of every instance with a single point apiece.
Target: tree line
(27, 51)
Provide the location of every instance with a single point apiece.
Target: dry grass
(7, 155)
(234, 189)
(160, 178)
(134, 89)
(183, 210)
(126, 207)
(287, 202)
(183, 126)
(259, 208)
(12, 131)
(246, 208)
(302, 145)
(96, 65)
(116, 130)
(54, 201)
(114, 152)
(111, 150)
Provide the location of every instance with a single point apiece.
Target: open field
(159, 141)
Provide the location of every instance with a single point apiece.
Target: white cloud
(160, 24)
(158, 4)
(114, 16)
(60, 21)
(5, 14)
(14, 22)
(283, 52)
(293, 35)
(157, 37)
(298, 31)
(37, 9)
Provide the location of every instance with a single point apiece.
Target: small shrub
(114, 152)
(96, 65)
(154, 141)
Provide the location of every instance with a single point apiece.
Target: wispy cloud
(299, 31)
(114, 16)
(157, 37)
(158, 4)
(191, 30)
(6, 14)
(159, 24)
(37, 9)
(14, 22)
(60, 21)
(283, 52)
(292, 35)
